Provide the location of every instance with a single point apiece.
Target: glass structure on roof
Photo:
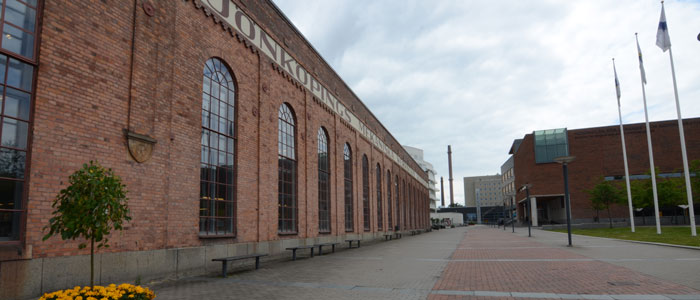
(550, 144)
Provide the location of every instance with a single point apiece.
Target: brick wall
(85, 100)
(598, 154)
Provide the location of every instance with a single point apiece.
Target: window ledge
(222, 236)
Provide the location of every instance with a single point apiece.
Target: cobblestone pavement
(406, 268)
(461, 263)
(491, 263)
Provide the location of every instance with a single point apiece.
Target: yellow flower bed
(111, 292)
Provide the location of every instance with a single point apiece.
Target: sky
(478, 74)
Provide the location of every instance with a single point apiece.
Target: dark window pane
(17, 41)
(11, 194)
(12, 163)
(14, 133)
(205, 207)
(20, 15)
(9, 225)
(3, 64)
(17, 104)
(19, 74)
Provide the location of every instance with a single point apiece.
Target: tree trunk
(92, 263)
(609, 217)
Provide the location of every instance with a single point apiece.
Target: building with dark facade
(232, 134)
(598, 153)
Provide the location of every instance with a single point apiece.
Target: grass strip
(676, 235)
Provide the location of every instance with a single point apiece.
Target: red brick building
(231, 133)
(598, 153)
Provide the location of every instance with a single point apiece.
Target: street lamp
(527, 187)
(564, 161)
(504, 214)
(512, 218)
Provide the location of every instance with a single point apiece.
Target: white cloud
(477, 75)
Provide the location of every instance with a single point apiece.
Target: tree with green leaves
(604, 195)
(642, 195)
(93, 203)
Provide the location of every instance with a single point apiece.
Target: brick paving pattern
(461, 263)
(492, 260)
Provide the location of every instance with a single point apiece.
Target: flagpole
(688, 189)
(666, 44)
(624, 156)
(651, 162)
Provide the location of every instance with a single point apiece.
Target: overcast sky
(479, 74)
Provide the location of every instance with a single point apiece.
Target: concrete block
(241, 249)
(118, 267)
(262, 247)
(190, 261)
(156, 264)
(212, 252)
(68, 271)
(275, 247)
(20, 279)
(309, 241)
(289, 243)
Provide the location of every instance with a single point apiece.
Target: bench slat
(238, 257)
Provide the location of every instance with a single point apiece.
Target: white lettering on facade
(237, 19)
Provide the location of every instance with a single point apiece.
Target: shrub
(111, 292)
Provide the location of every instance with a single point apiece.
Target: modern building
(417, 155)
(508, 179)
(598, 153)
(484, 193)
(186, 101)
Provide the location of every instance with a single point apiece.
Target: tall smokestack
(449, 161)
(442, 191)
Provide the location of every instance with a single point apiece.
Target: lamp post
(528, 213)
(512, 218)
(564, 161)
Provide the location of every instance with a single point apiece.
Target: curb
(632, 241)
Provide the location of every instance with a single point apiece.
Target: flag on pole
(617, 84)
(641, 63)
(662, 38)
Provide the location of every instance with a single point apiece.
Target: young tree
(604, 195)
(642, 195)
(91, 206)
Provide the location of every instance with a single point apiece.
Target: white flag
(617, 84)
(641, 64)
(662, 38)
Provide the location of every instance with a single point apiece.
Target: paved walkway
(466, 263)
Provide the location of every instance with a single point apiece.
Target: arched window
(324, 182)
(347, 165)
(365, 192)
(217, 202)
(287, 171)
(380, 220)
(388, 200)
(404, 204)
(398, 207)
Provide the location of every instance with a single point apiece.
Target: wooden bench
(397, 235)
(414, 232)
(350, 243)
(294, 250)
(320, 247)
(388, 236)
(224, 261)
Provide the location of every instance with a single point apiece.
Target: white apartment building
(417, 155)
